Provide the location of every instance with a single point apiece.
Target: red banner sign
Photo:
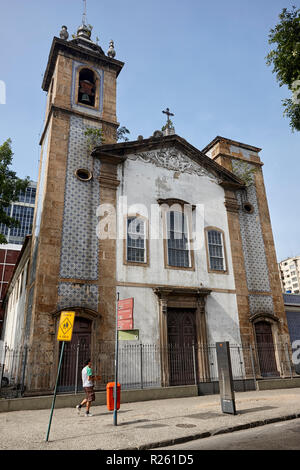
(125, 314)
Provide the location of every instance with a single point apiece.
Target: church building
(185, 233)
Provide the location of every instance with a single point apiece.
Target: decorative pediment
(174, 160)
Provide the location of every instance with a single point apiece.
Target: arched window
(86, 87)
(215, 250)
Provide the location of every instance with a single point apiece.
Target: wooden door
(265, 349)
(75, 353)
(181, 337)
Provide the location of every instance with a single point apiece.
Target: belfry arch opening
(86, 87)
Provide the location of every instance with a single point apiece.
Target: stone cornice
(59, 109)
(73, 50)
(154, 143)
(240, 157)
(231, 142)
(163, 292)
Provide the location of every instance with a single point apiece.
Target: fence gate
(265, 349)
(75, 353)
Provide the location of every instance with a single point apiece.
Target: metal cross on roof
(168, 113)
(84, 13)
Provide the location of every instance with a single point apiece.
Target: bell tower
(80, 82)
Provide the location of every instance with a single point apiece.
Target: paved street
(149, 424)
(277, 436)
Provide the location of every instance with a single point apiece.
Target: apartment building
(21, 210)
(290, 275)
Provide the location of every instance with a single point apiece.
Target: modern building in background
(292, 309)
(22, 211)
(290, 275)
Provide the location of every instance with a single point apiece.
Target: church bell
(85, 98)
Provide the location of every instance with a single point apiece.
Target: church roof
(230, 142)
(124, 148)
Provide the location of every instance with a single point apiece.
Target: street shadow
(110, 413)
(260, 408)
(137, 421)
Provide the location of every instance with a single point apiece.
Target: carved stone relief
(173, 160)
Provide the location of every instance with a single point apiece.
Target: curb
(203, 435)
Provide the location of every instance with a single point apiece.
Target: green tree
(10, 186)
(285, 59)
(121, 134)
(94, 137)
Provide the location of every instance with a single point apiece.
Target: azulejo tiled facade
(79, 252)
(257, 273)
(78, 295)
(261, 304)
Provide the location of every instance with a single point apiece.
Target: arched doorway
(75, 354)
(265, 349)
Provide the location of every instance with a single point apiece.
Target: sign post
(65, 330)
(225, 378)
(124, 321)
(116, 365)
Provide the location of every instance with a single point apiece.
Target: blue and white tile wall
(77, 295)
(79, 250)
(256, 267)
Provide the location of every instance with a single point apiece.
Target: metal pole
(116, 366)
(2, 368)
(24, 369)
(76, 373)
(54, 397)
(253, 368)
(288, 359)
(141, 359)
(194, 364)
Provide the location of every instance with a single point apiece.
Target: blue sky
(203, 60)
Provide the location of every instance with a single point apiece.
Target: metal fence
(140, 365)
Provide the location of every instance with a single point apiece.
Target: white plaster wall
(14, 315)
(146, 312)
(142, 184)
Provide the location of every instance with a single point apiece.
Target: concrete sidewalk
(144, 425)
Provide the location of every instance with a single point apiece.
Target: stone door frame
(183, 298)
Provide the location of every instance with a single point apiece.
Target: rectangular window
(136, 240)
(177, 240)
(216, 250)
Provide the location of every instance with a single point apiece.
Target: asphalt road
(278, 436)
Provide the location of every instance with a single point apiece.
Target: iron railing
(139, 365)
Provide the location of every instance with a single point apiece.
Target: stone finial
(64, 33)
(157, 134)
(169, 131)
(84, 31)
(111, 51)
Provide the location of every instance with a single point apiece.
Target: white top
(86, 372)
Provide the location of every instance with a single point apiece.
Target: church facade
(185, 233)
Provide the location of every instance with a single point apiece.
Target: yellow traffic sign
(65, 328)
